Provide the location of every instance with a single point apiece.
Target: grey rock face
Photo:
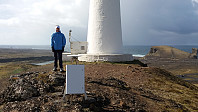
(23, 87)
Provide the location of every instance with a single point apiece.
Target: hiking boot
(54, 69)
(61, 70)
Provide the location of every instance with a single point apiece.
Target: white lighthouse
(105, 33)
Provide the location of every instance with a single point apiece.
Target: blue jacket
(58, 41)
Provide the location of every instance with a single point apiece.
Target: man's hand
(53, 49)
(63, 49)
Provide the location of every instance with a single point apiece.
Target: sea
(136, 50)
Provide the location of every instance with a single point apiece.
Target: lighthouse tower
(105, 33)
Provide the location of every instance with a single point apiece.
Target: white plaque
(75, 79)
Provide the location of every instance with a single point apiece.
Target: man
(58, 42)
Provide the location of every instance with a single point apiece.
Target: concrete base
(105, 57)
(66, 57)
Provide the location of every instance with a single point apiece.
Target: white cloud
(33, 21)
(10, 22)
(143, 21)
(194, 2)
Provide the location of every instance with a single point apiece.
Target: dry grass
(9, 69)
(12, 69)
(184, 71)
(196, 85)
(43, 77)
(1, 108)
(175, 91)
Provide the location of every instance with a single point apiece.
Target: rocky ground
(109, 86)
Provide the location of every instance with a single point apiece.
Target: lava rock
(57, 79)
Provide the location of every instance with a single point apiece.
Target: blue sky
(144, 22)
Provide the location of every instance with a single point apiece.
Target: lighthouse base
(105, 57)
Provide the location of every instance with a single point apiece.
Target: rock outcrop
(41, 92)
(171, 53)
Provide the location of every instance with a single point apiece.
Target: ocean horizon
(136, 50)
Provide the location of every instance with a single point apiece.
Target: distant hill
(171, 52)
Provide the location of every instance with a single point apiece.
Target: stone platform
(105, 57)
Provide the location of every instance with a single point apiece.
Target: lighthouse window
(82, 47)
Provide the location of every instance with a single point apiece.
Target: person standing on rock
(58, 43)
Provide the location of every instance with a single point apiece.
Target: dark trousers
(58, 56)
